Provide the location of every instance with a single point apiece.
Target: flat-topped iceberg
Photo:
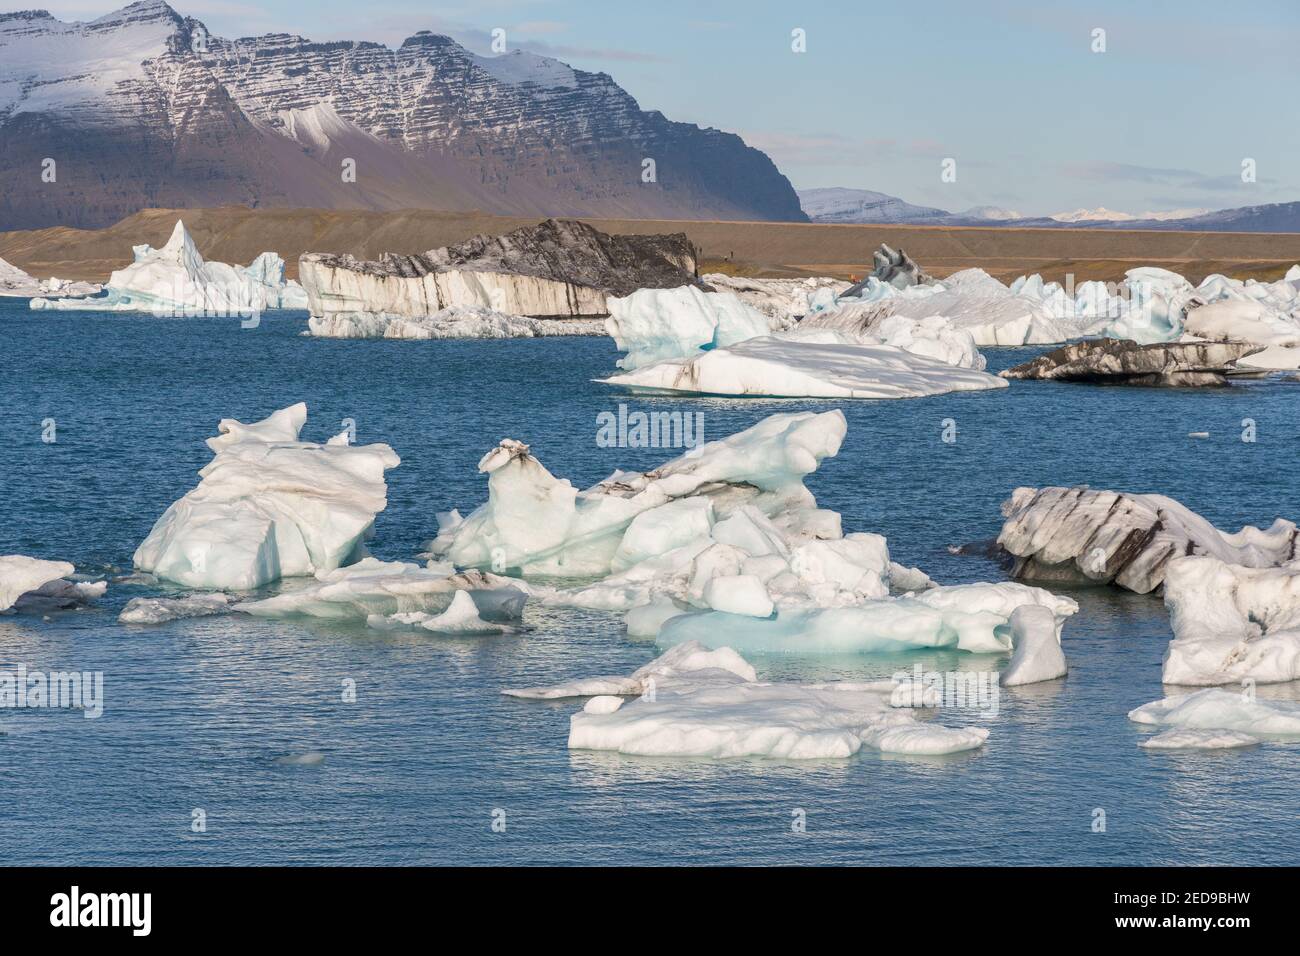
(783, 366)
(451, 323)
(1080, 535)
(980, 618)
(1215, 709)
(176, 281)
(558, 268)
(1231, 623)
(695, 702)
(270, 506)
(1122, 362)
(15, 283)
(383, 589)
(687, 341)
(160, 610)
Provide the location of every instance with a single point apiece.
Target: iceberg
(34, 585)
(451, 323)
(979, 618)
(1123, 362)
(1198, 740)
(462, 617)
(558, 268)
(15, 283)
(1150, 305)
(1078, 535)
(176, 281)
(269, 506)
(1215, 709)
(651, 325)
(382, 589)
(725, 546)
(1037, 656)
(1231, 623)
(144, 610)
(785, 366)
(695, 702)
(783, 300)
(541, 524)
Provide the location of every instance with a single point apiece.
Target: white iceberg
(698, 703)
(541, 524)
(34, 585)
(1198, 740)
(462, 617)
(793, 365)
(15, 283)
(1231, 623)
(385, 588)
(1079, 535)
(726, 546)
(1216, 709)
(651, 325)
(175, 281)
(270, 506)
(145, 610)
(1037, 655)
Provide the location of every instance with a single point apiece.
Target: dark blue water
(197, 713)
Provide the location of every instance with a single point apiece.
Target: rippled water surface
(200, 714)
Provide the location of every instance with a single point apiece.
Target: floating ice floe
(144, 610)
(689, 341)
(1199, 740)
(15, 283)
(695, 702)
(270, 506)
(792, 366)
(451, 323)
(382, 589)
(1078, 535)
(1214, 712)
(175, 280)
(34, 585)
(726, 546)
(1231, 623)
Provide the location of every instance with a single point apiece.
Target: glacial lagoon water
(210, 714)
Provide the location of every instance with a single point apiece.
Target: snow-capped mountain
(1100, 214)
(144, 107)
(837, 204)
(990, 213)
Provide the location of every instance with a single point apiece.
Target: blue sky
(1036, 120)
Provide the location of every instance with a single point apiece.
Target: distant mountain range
(840, 205)
(145, 108)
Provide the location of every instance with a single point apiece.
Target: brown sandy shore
(236, 234)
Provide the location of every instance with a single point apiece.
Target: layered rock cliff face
(143, 107)
(554, 269)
